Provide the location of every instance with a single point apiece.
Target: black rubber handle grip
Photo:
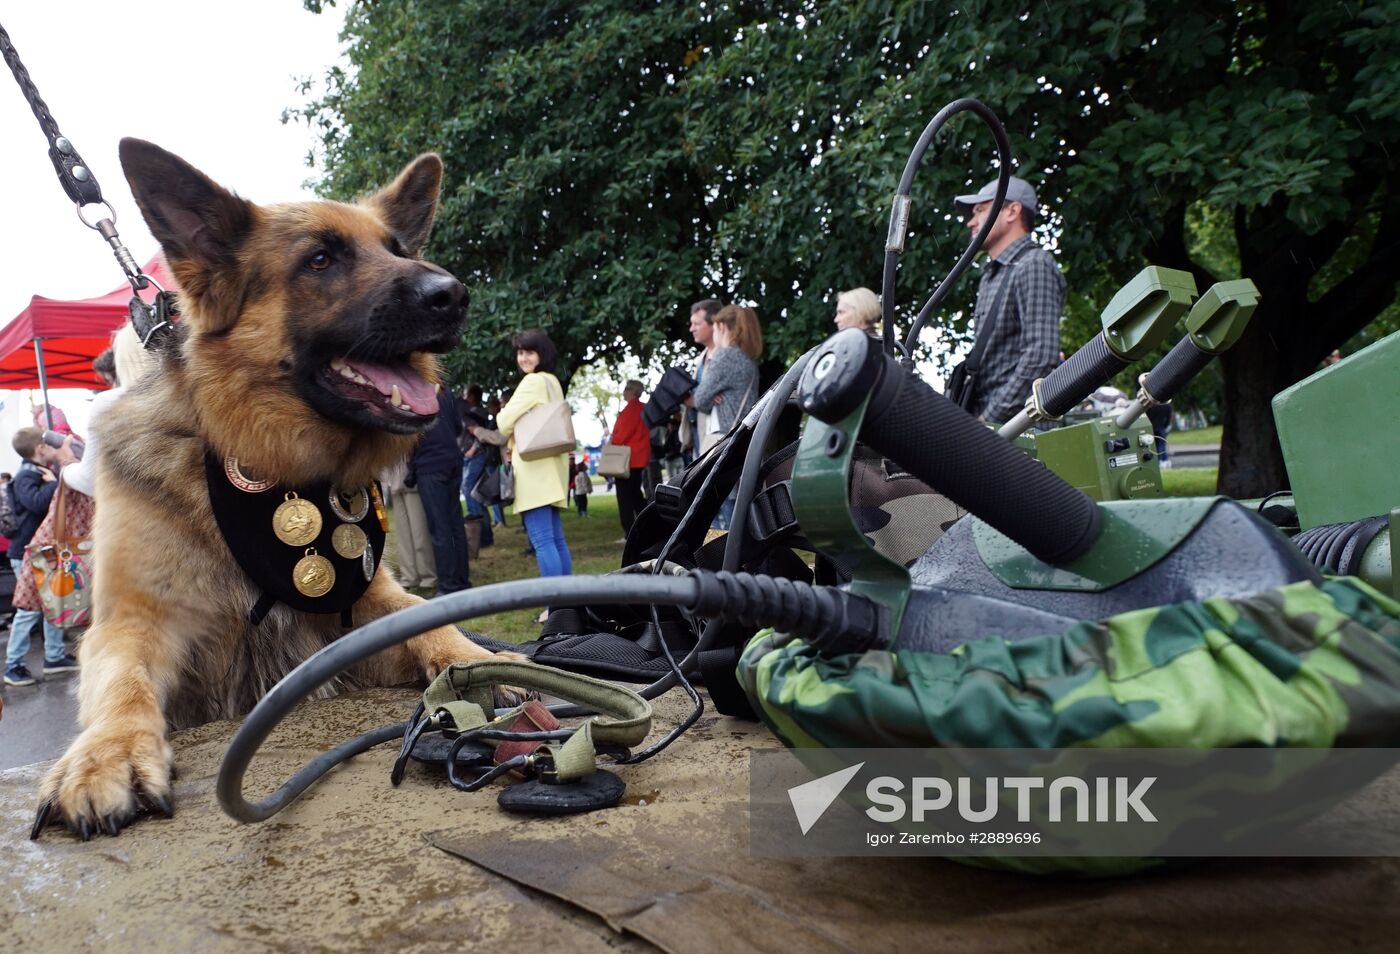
(1181, 364)
(940, 443)
(1083, 373)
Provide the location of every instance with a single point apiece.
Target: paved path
(1195, 455)
(38, 721)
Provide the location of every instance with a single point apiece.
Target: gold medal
(296, 522)
(350, 507)
(349, 540)
(313, 575)
(379, 508)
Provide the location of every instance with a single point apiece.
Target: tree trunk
(1251, 463)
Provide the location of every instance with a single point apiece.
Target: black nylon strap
(261, 608)
(771, 514)
(973, 361)
(566, 621)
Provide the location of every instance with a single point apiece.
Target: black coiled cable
(1337, 548)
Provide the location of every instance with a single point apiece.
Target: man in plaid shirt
(1019, 303)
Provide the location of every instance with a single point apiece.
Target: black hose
(1338, 548)
(906, 180)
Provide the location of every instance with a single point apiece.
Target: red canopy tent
(52, 343)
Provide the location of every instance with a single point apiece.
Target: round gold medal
(296, 521)
(349, 540)
(313, 575)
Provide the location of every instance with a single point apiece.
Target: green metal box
(1340, 433)
(1104, 460)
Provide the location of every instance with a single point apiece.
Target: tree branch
(1171, 246)
(1351, 304)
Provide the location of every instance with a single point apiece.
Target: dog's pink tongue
(413, 390)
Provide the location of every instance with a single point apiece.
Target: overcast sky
(206, 81)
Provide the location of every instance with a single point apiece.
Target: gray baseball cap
(1017, 190)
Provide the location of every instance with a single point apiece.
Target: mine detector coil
(152, 320)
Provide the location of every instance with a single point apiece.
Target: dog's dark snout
(440, 292)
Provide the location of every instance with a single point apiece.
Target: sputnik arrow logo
(810, 800)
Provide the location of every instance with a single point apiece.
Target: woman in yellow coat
(541, 486)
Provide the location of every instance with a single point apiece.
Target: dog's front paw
(437, 650)
(106, 777)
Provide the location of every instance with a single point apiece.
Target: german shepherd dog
(277, 302)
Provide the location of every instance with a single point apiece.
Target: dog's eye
(320, 259)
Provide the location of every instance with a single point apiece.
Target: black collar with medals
(315, 548)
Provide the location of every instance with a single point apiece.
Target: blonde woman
(858, 308)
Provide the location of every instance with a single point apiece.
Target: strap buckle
(669, 502)
(771, 513)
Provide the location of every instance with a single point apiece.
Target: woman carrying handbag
(537, 422)
(632, 433)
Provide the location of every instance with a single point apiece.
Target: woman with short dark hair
(533, 339)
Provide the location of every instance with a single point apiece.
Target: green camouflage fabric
(1301, 665)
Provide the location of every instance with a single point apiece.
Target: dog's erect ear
(408, 205)
(193, 217)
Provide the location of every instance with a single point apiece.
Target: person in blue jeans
(475, 458)
(493, 463)
(436, 470)
(33, 488)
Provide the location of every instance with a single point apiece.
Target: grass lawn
(1205, 435)
(1189, 481)
(595, 543)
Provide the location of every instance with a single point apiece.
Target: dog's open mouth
(394, 392)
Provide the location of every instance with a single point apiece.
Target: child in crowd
(583, 486)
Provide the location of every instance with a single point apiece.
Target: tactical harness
(245, 518)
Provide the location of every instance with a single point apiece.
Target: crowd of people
(487, 453)
(55, 482)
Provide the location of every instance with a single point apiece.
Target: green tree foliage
(610, 161)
